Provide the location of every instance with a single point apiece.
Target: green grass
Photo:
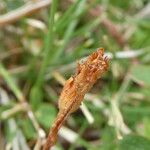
(29, 56)
(48, 52)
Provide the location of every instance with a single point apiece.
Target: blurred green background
(40, 43)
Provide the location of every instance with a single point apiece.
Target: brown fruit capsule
(75, 88)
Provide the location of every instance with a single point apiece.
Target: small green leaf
(28, 129)
(141, 73)
(134, 115)
(146, 122)
(46, 114)
(36, 97)
(134, 142)
(108, 139)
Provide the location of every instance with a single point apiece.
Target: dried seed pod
(86, 75)
(75, 88)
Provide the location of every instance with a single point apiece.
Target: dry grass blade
(27, 9)
(75, 88)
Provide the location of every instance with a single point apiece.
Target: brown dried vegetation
(75, 88)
